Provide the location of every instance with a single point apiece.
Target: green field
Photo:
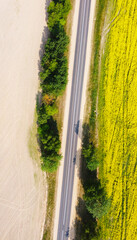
(117, 120)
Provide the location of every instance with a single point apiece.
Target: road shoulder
(66, 113)
(76, 185)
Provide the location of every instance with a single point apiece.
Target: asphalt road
(73, 121)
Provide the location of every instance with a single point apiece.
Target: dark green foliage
(56, 45)
(85, 224)
(96, 201)
(54, 63)
(93, 164)
(59, 1)
(50, 164)
(53, 82)
(56, 81)
(95, 197)
(49, 141)
(91, 157)
(42, 115)
(57, 12)
(89, 152)
(51, 109)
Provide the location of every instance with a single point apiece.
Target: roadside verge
(66, 113)
(84, 91)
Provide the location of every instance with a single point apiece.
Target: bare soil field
(22, 184)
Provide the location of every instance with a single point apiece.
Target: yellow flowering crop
(118, 122)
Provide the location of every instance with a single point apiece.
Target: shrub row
(95, 197)
(53, 82)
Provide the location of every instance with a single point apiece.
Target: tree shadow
(46, 8)
(84, 174)
(38, 100)
(45, 35)
(84, 225)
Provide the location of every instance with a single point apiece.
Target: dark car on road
(67, 233)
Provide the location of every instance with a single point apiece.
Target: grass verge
(95, 62)
(32, 141)
(51, 182)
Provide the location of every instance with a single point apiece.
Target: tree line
(53, 82)
(97, 204)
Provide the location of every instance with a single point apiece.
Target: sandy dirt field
(22, 184)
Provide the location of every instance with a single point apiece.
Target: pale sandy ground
(22, 189)
(86, 76)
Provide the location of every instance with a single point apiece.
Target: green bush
(50, 144)
(57, 13)
(54, 63)
(96, 200)
(53, 82)
(51, 109)
(50, 163)
(90, 154)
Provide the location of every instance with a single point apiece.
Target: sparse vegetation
(32, 141)
(51, 181)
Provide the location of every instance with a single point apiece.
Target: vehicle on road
(67, 233)
(76, 126)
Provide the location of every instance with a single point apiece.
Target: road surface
(73, 121)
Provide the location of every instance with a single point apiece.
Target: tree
(54, 63)
(90, 154)
(96, 201)
(57, 12)
(51, 109)
(99, 208)
(50, 164)
(53, 82)
(92, 162)
(42, 115)
(48, 99)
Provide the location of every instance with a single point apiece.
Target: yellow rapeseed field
(118, 122)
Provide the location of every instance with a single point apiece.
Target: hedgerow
(53, 83)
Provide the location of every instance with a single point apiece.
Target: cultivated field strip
(118, 122)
